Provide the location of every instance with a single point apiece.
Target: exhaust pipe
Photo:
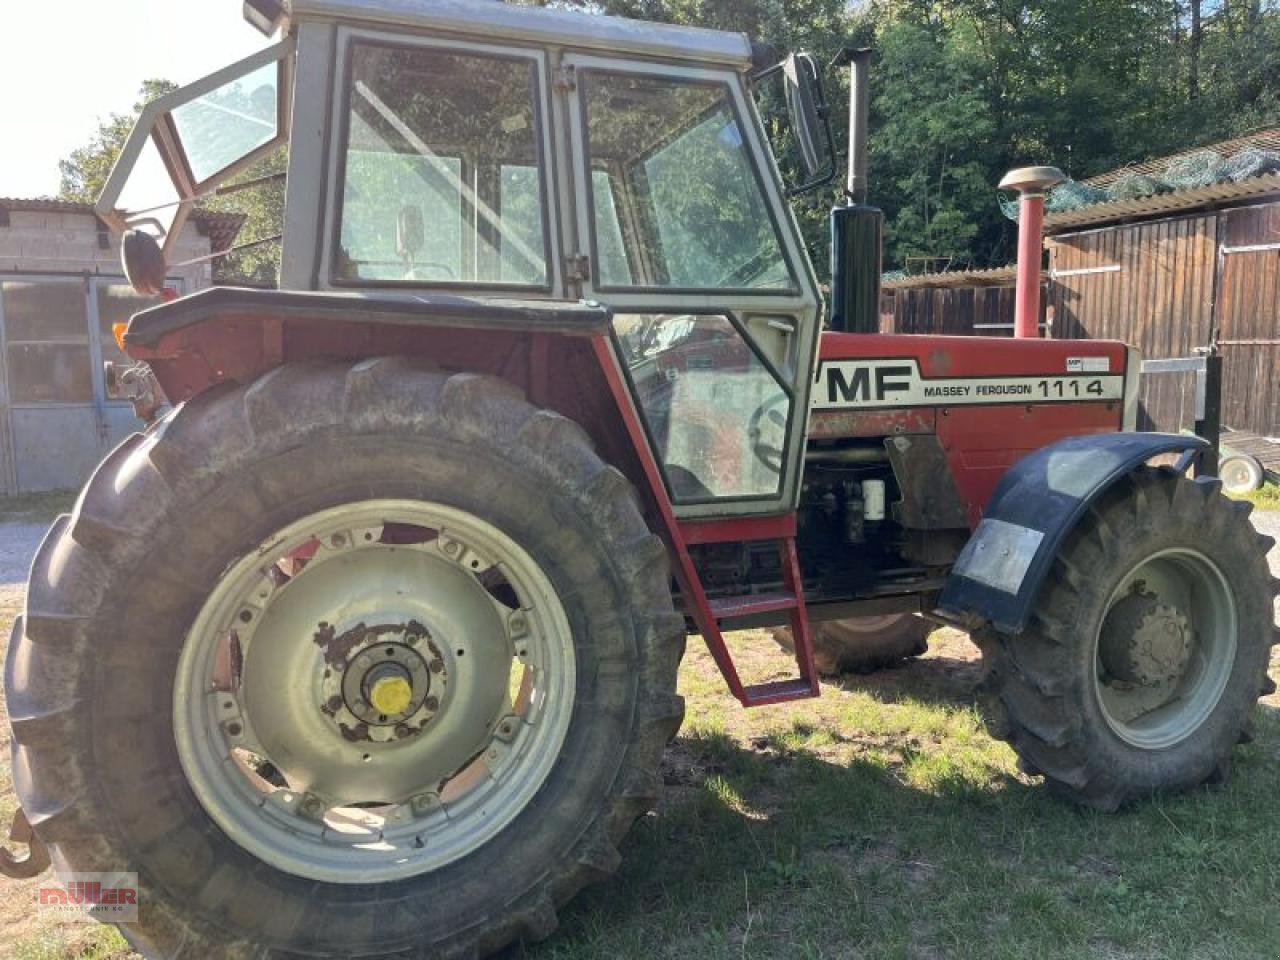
(1031, 183)
(856, 228)
(859, 105)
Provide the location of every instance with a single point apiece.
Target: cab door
(681, 228)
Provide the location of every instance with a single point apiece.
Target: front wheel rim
(1158, 684)
(376, 692)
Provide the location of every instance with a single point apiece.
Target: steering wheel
(768, 418)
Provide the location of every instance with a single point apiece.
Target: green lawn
(1267, 497)
(882, 822)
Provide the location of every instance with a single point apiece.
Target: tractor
(366, 646)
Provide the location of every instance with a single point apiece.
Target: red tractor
(367, 646)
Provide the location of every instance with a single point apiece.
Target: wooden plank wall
(1248, 317)
(1164, 286)
(950, 310)
(1148, 284)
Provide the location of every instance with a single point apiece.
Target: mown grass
(37, 507)
(882, 822)
(1266, 497)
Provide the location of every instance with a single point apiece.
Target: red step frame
(707, 615)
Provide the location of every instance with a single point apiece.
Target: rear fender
(234, 333)
(1037, 504)
(555, 352)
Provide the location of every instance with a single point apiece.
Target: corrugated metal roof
(221, 228)
(994, 276)
(1216, 194)
(1261, 139)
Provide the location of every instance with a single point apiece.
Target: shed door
(55, 423)
(55, 333)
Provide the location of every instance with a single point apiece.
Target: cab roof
(539, 25)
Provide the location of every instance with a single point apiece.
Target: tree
(85, 170)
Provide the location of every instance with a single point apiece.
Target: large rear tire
(1147, 648)
(328, 475)
(862, 644)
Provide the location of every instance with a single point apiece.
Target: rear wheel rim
(1170, 692)
(376, 692)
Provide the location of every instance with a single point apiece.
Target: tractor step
(779, 691)
(730, 608)
(712, 615)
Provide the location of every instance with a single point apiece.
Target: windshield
(188, 141)
(675, 201)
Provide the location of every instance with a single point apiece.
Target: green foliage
(85, 170)
(962, 91)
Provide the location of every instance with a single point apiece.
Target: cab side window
(442, 170)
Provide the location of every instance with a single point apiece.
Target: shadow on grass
(761, 850)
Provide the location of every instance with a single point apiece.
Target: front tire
(171, 516)
(862, 644)
(1146, 650)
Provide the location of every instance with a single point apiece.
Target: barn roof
(992, 277)
(1164, 204)
(220, 228)
(1268, 139)
(1217, 174)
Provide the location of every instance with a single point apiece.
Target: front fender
(1037, 504)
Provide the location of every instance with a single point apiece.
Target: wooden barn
(1173, 273)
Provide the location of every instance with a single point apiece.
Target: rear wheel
(1147, 648)
(862, 644)
(349, 662)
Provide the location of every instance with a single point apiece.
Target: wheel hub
(1146, 642)
(375, 692)
(382, 683)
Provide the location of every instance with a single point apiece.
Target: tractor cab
(499, 152)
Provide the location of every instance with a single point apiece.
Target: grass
(1266, 497)
(36, 507)
(881, 822)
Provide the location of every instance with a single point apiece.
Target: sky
(70, 62)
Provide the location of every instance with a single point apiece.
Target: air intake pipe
(856, 228)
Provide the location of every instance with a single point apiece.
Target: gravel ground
(18, 543)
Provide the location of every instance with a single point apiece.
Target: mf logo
(862, 384)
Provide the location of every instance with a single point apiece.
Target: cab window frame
(735, 321)
(697, 77)
(532, 57)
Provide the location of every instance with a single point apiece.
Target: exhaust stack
(859, 106)
(1031, 183)
(856, 228)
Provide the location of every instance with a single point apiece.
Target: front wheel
(1147, 648)
(862, 644)
(354, 661)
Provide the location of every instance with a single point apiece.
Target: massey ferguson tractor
(367, 645)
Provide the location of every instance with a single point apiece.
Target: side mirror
(143, 262)
(805, 108)
(809, 135)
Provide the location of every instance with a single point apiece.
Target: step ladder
(709, 615)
